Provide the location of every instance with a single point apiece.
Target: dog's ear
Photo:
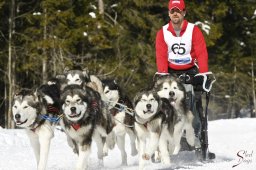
(85, 72)
(136, 98)
(66, 70)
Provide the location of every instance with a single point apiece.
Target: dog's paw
(146, 156)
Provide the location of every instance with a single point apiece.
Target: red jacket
(198, 51)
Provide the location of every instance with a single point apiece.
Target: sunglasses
(172, 11)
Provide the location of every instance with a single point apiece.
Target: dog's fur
(151, 111)
(85, 118)
(28, 107)
(124, 121)
(80, 77)
(172, 89)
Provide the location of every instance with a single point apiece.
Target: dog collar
(76, 126)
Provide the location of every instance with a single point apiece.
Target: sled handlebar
(207, 82)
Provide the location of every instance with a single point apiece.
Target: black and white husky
(121, 109)
(172, 89)
(37, 112)
(81, 77)
(150, 113)
(85, 119)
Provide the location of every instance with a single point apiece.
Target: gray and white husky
(85, 119)
(37, 112)
(81, 77)
(172, 89)
(121, 109)
(150, 113)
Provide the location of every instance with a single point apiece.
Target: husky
(38, 111)
(85, 119)
(172, 89)
(81, 77)
(150, 113)
(121, 109)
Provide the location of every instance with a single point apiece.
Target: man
(181, 51)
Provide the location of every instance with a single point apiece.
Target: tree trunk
(10, 67)
(44, 61)
(253, 93)
(101, 7)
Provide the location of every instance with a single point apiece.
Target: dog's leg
(45, 134)
(190, 135)
(153, 143)
(121, 146)
(120, 137)
(132, 136)
(84, 152)
(178, 131)
(141, 144)
(163, 147)
(33, 137)
(99, 142)
(110, 140)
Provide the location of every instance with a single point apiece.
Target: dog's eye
(78, 100)
(77, 79)
(175, 87)
(67, 101)
(25, 107)
(15, 107)
(165, 88)
(143, 100)
(107, 92)
(151, 100)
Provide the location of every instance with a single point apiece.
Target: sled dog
(172, 89)
(150, 113)
(37, 112)
(121, 109)
(85, 119)
(81, 77)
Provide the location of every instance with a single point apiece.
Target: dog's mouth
(172, 100)
(148, 111)
(74, 115)
(18, 122)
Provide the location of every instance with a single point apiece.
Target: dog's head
(146, 104)
(26, 108)
(77, 76)
(170, 88)
(111, 90)
(77, 102)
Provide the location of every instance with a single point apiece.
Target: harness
(119, 107)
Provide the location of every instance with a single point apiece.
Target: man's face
(176, 15)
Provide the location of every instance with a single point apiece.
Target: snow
(227, 138)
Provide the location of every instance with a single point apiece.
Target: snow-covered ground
(233, 141)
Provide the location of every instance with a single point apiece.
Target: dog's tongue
(172, 101)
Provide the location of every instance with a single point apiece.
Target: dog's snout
(17, 116)
(73, 109)
(171, 93)
(148, 106)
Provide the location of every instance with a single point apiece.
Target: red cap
(180, 4)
